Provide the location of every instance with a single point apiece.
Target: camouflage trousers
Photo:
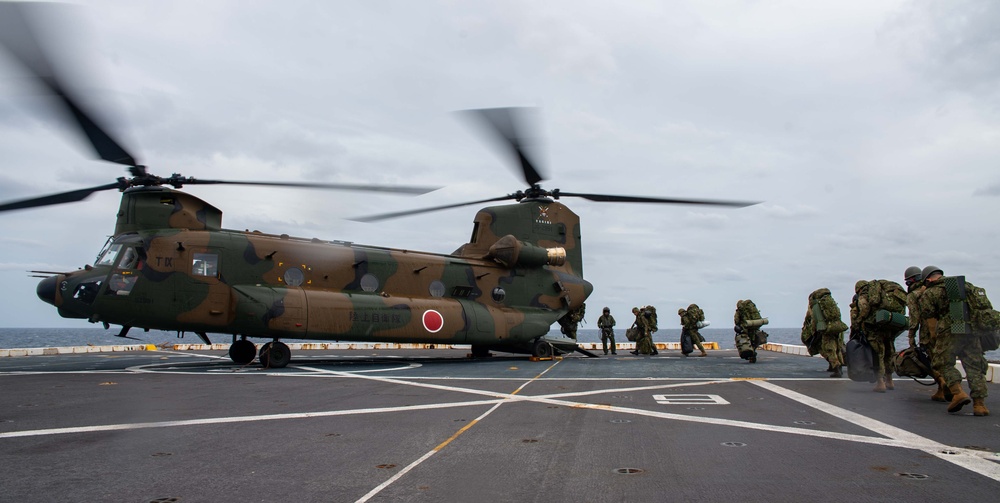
(696, 339)
(967, 349)
(884, 348)
(644, 343)
(832, 348)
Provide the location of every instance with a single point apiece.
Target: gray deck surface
(432, 425)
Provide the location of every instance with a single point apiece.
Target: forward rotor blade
(335, 186)
(607, 198)
(397, 214)
(19, 34)
(63, 197)
(503, 123)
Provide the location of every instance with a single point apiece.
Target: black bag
(687, 345)
(913, 362)
(860, 359)
(990, 341)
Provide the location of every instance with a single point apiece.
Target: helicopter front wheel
(242, 352)
(542, 349)
(275, 355)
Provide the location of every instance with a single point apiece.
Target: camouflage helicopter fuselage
(171, 266)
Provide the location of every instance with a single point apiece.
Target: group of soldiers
(747, 319)
(927, 301)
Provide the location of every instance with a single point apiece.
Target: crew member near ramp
(935, 318)
(607, 323)
(823, 330)
(690, 318)
(571, 320)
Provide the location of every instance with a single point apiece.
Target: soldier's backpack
(696, 313)
(888, 295)
(887, 304)
(652, 318)
(860, 359)
(827, 314)
(972, 312)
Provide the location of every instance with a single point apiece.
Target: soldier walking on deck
(935, 318)
(823, 330)
(915, 287)
(875, 303)
(691, 318)
(747, 322)
(645, 322)
(607, 323)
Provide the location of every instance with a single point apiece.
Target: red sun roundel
(433, 321)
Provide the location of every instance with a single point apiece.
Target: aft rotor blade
(60, 198)
(397, 189)
(503, 123)
(397, 214)
(18, 34)
(608, 198)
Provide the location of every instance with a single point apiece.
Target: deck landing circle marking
(433, 321)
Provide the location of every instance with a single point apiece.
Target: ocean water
(55, 337)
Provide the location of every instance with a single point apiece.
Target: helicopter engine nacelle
(510, 252)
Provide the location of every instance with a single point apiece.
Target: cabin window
(437, 288)
(369, 282)
(109, 255)
(129, 259)
(205, 264)
(294, 276)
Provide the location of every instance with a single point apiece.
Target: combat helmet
(859, 285)
(931, 269)
(912, 273)
(606, 310)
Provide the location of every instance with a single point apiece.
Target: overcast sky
(870, 131)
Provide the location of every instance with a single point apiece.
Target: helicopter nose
(46, 289)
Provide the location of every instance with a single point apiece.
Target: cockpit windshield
(109, 255)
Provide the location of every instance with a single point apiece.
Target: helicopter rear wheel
(275, 355)
(542, 349)
(242, 352)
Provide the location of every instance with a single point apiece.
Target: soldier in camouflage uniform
(607, 323)
(831, 332)
(644, 341)
(747, 337)
(571, 320)
(881, 339)
(915, 287)
(689, 321)
(935, 318)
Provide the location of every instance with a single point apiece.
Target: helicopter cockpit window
(110, 255)
(205, 264)
(129, 259)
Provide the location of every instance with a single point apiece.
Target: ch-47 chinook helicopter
(170, 264)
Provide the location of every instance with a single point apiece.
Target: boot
(979, 407)
(939, 395)
(837, 372)
(703, 353)
(879, 385)
(959, 398)
(888, 381)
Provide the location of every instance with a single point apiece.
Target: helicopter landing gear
(275, 355)
(480, 352)
(542, 349)
(242, 351)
